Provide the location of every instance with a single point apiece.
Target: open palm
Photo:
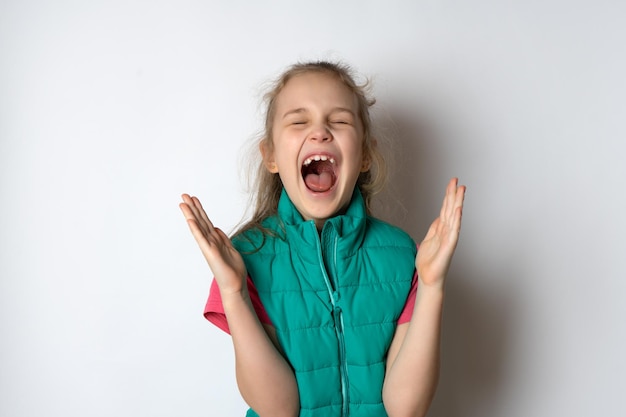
(436, 250)
(224, 260)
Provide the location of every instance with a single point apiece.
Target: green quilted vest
(334, 300)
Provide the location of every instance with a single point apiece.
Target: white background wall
(109, 110)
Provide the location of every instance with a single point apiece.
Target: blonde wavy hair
(268, 186)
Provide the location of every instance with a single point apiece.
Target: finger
(191, 213)
(186, 209)
(457, 218)
(188, 200)
(204, 241)
(199, 228)
(455, 224)
(444, 204)
(192, 222)
(457, 196)
(448, 201)
(202, 213)
(460, 199)
(460, 196)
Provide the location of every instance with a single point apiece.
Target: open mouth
(318, 172)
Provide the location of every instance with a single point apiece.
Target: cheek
(286, 161)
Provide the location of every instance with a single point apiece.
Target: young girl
(331, 312)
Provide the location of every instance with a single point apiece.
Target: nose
(320, 133)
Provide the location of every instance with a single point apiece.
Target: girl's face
(318, 144)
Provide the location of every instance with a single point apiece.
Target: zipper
(331, 286)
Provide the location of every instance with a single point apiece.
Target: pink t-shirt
(214, 310)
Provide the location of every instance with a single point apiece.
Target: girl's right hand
(224, 260)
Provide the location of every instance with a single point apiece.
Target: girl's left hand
(435, 252)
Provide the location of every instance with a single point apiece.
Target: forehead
(315, 90)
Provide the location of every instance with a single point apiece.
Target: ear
(268, 157)
(366, 163)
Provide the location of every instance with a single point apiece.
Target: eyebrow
(294, 111)
(300, 110)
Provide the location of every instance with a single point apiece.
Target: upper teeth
(318, 158)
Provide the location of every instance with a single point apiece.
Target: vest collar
(348, 227)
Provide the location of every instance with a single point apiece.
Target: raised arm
(265, 379)
(413, 358)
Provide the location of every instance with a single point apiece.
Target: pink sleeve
(407, 313)
(214, 310)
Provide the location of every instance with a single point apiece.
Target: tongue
(319, 182)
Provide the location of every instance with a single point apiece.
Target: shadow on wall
(476, 347)
(477, 326)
